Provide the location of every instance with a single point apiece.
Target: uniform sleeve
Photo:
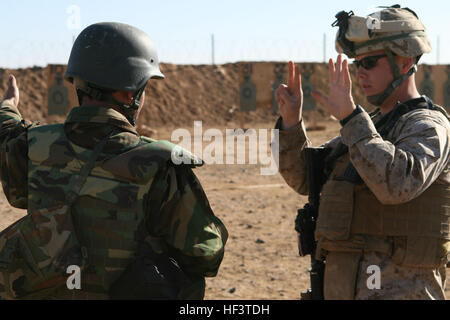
(292, 159)
(292, 164)
(400, 171)
(195, 236)
(13, 155)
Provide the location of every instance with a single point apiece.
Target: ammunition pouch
(341, 275)
(421, 252)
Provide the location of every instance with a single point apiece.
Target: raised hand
(339, 100)
(12, 93)
(290, 98)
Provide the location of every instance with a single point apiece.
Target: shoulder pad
(168, 150)
(55, 129)
(142, 162)
(442, 110)
(40, 138)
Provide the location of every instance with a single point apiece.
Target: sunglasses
(368, 62)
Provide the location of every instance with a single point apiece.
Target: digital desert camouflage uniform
(133, 180)
(414, 156)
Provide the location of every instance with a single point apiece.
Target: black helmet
(113, 56)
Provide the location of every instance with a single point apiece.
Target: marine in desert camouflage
(386, 201)
(134, 192)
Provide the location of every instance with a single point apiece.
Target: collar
(413, 102)
(376, 114)
(100, 115)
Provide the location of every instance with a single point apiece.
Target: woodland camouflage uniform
(186, 222)
(133, 193)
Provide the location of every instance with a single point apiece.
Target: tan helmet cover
(396, 29)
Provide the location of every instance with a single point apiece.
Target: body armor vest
(353, 209)
(348, 210)
(111, 204)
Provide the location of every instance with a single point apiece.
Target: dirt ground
(261, 260)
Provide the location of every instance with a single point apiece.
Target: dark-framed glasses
(368, 62)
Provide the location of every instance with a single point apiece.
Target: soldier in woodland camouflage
(134, 192)
(386, 202)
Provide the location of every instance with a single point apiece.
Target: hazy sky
(42, 32)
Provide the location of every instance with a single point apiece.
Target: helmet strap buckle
(93, 93)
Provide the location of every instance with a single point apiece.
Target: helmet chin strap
(130, 111)
(378, 99)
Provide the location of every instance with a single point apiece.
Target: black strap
(386, 124)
